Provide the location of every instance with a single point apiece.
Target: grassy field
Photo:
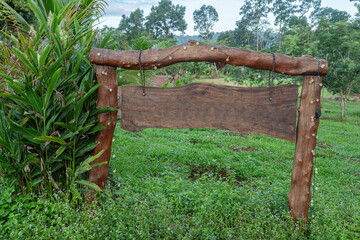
(208, 184)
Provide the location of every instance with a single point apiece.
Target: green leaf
(96, 129)
(60, 150)
(6, 77)
(86, 149)
(102, 110)
(51, 139)
(44, 56)
(70, 172)
(85, 165)
(35, 182)
(75, 192)
(27, 133)
(51, 86)
(89, 185)
(37, 11)
(69, 127)
(24, 60)
(34, 99)
(85, 96)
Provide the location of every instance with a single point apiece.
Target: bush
(47, 112)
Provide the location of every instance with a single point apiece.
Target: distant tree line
(327, 33)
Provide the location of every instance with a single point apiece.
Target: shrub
(47, 109)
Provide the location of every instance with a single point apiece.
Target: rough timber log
(300, 194)
(107, 97)
(260, 110)
(193, 51)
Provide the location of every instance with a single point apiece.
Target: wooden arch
(267, 99)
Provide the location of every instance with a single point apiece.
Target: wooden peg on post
(107, 97)
(300, 192)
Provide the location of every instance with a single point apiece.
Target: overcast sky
(228, 11)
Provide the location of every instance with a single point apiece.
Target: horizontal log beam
(194, 51)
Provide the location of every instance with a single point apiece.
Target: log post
(300, 193)
(107, 97)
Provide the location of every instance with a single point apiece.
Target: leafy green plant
(48, 108)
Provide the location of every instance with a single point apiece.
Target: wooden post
(107, 97)
(300, 193)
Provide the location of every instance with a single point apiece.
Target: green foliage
(253, 14)
(185, 79)
(298, 39)
(166, 18)
(205, 184)
(333, 15)
(133, 26)
(204, 20)
(339, 43)
(20, 6)
(47, 117)
(119, 39)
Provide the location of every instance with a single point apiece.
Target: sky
(228, 11)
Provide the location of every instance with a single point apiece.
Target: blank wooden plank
(259, 110)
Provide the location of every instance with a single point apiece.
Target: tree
(253, 13)
(306, 5)
(283, 10)
(243, 34)
(165, 18)
(204, 20)
(133, 25)
(333, 15)
(226, 39)
(339, 43)
(297, 37)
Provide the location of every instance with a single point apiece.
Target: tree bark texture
(300, 193)
(269, 111)
(194, 51)
(107, 97)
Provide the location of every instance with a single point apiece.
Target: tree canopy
(166, 18)
(204, 20)
(133, 25)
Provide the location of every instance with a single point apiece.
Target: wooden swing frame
(106, 62)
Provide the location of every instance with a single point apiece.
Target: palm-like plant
(48, 114)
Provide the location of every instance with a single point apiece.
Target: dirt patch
(195, 141)
(136, 135)
(351, 159)
(323, 145)
(236, 134)
(158, 81)
(219, 81)
(221, 175)
(245, 149)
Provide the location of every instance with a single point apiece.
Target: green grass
(211, 184)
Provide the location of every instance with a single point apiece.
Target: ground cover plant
(206, 184)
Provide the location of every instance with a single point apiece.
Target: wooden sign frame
(106, 62)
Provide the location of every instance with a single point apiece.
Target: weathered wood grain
(107, 97)
(200, 52)
(300, 193)
(259, 110)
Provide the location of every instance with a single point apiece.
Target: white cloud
(120, 7)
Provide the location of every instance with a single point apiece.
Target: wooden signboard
(259, 110)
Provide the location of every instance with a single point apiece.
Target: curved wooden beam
(194, 51)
